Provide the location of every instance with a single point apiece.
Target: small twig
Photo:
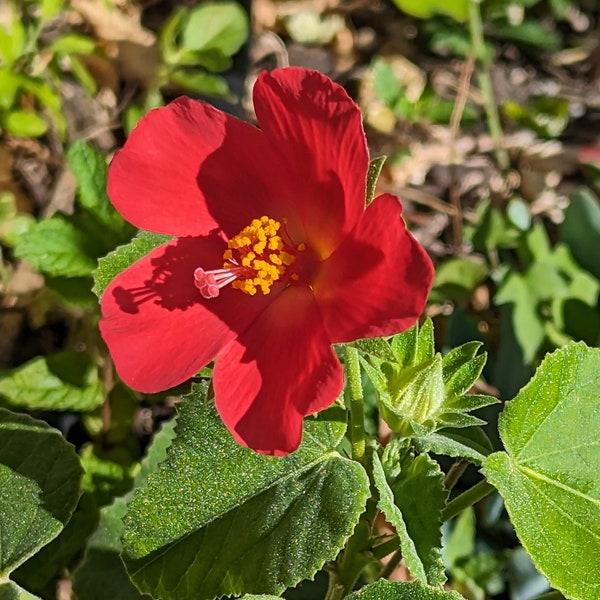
(457, 113)
(391, 565)
(455, 473)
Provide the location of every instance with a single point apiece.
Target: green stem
(357, 411)
(466, 499)
(335, 590)
(485, 82)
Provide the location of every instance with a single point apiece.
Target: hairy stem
(357, 411)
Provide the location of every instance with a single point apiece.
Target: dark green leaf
(102, 574)
(581, 229)
(11, 591)
(39, 478)
(457, 278)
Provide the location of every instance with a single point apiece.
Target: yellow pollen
(258, 247)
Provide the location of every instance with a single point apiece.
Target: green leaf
(9, 83)
(519, 214)
(50, 8)
(395, 590)
(532, 33)
(201, 83)
(261, 524)
(404, 346)
(89, 167)
(41, 572)
(221, 26)
(63, 381)
(73, 43)
(461, 370)
(375, 167)
(13, 39)
(376, 347)
(425, 343)
(385, 83)
(412, 496)
(102, 574)
(424, 9)
(48, 97)
(24, 123)
(124, 256)
(527, 324)
(460, 544)
(39, 478)
(11, 591)
(469, 442)
(55, 246)
(548, 476)
(457, 278)
(581, 229)
(416, 395)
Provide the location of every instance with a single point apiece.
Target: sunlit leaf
(291, 513)
(546, 476)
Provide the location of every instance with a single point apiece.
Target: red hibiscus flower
(275, 257)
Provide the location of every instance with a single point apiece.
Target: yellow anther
(258, 247)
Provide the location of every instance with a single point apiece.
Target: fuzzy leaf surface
(40, 477)
(124, 256)
(395, 590)
(548, 475)
(412, 496)
(102, 574)
(218, 519)
(11, 591)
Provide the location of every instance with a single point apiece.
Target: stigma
(254, 260)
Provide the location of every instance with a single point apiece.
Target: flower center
(255, 258)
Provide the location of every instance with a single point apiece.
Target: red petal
(376, 283)
(189, 168)
(318, 130)
(159, 329)
(279, 370)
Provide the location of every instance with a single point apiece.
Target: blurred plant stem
(484, 61)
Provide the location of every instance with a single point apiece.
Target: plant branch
(466, 499)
